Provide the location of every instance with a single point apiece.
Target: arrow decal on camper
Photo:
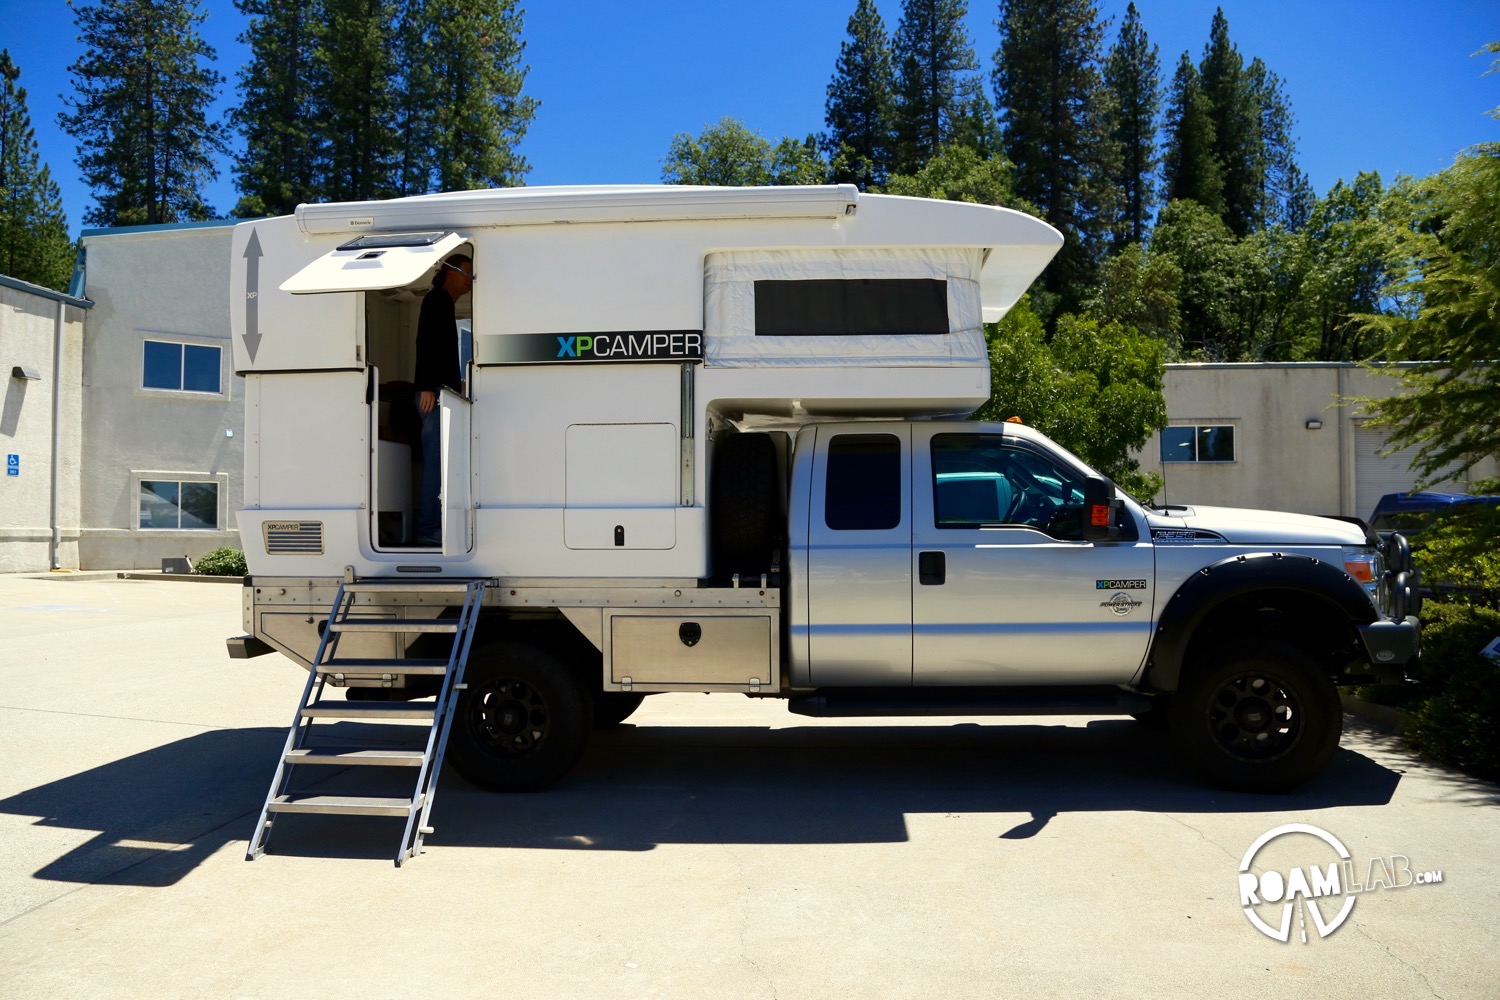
(252, 292)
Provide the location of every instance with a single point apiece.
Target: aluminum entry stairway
(302, 746)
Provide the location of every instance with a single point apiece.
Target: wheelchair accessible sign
(12, 465)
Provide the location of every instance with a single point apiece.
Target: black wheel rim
(507, 718)
(1253, 716)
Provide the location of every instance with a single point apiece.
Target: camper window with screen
(839, 307)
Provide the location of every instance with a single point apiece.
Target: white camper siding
(540, 428)
(311, 440)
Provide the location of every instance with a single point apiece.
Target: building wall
(1280, 462)
(28, 338)
(169, 286)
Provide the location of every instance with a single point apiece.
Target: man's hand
(426, 401)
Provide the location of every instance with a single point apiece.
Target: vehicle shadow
(641, 786)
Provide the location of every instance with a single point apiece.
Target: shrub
(1458, 721)
(222, 562)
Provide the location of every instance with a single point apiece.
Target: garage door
(1375, 474)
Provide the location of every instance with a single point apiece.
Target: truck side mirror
(1099, 506)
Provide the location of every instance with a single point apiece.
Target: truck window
(980, 480)
(863, 490)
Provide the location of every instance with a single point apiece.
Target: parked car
(1409, 513)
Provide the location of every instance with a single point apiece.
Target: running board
(838, 703)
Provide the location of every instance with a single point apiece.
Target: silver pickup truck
(919, 568)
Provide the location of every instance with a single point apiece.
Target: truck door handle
(932, 568)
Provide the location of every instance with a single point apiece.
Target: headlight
(1366, 565)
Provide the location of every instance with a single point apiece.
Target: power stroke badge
(1121, 604)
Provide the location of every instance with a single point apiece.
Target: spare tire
(745, 504)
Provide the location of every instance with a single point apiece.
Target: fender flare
(1203, 592)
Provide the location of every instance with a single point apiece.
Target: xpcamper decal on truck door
(565, 348)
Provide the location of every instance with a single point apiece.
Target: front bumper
(1390, 645)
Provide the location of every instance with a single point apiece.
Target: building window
(180, 367)
(1198, 443)
(179, 506)
(863, 491)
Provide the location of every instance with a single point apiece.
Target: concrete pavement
(713, 847)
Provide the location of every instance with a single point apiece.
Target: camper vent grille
(293, 538)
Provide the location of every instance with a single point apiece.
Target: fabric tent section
(729, 309)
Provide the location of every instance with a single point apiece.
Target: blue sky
(1375, 84)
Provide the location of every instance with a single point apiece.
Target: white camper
(712, 439)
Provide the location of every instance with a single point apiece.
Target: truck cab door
(859, 558)
(1008, 590)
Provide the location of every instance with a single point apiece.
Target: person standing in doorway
(438, 366)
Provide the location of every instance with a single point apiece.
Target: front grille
(293, 538)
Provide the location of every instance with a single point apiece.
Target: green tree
(860, 108)
(34, 243)
(1236, 128)
(1190, 170)
(479, 113)
(1346, 243)
(1448, 267)
(1283, 190)
(354, 87)
(275, 174)
(732, 155)
(1140, 289)
(1196, 241)
(1048, 91)
(1132, 78)
(933, 55)
(959, 173)
(1095, 388)
(416, 97)
(139, 111)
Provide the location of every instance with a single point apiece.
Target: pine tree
(275, 174)
(932, 52)
(34, 243)
(480, 114)
(1189, 168)
(1278, 150)
(416, 99)
(861, 102)
(1132, 76)
(143, 89)
(353, 83)
(1237, 144)
(1048, 90)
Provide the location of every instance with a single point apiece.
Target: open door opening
(394, 273)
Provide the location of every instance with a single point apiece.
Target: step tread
(376, 756)
(370, 710)
(394, 625)
(374, 667)
(345, 805)
(409, 585)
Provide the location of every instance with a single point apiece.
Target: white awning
(374, 261)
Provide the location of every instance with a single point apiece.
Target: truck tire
(613, 707)
(523, 721)
(1257, 714)
(745, 507)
